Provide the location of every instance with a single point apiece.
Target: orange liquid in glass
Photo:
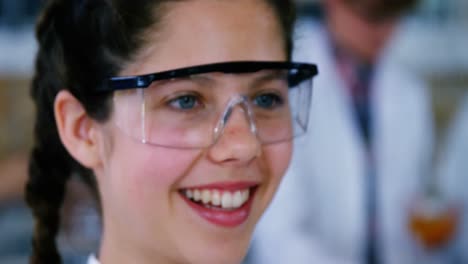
(434, 231)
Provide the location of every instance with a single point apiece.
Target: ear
(77, 131)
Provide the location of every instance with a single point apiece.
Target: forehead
(208, 31)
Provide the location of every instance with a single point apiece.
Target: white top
(93, 260)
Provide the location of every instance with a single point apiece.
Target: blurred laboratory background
(434, 46)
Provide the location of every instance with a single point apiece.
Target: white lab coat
(452, 174)
(318, 214)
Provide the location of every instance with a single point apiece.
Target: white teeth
(237, 199)
(245, 195)
(223, 199)
(226, 200)
(216, 198)
(206, 196)
(196, 195)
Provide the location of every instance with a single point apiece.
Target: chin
(225, 254)
(223, 257)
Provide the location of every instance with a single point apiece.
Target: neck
(356, 35)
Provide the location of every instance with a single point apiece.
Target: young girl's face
(145, 189)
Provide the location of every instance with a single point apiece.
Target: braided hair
(81, 43)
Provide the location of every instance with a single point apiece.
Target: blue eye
(184, 102)
(268, 101)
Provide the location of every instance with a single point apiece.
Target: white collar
(93, 260)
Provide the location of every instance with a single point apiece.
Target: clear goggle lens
(191, 111)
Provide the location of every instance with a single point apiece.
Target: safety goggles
(191, 107)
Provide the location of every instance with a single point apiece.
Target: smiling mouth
(226, 207)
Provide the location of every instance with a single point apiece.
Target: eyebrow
(272, 75)
(209, 80)
(199, 81)
(256, 79)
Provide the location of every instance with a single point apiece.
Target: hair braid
(50, 165)
(44, 194)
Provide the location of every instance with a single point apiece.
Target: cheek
(143, 177)
(151, 171)
(279, 157)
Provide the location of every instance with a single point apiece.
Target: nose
(237, 141)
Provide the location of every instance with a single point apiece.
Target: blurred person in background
(346, 196)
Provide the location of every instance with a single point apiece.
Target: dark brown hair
(81, 43)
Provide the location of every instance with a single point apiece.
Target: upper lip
(229, 186)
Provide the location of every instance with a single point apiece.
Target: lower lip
(221, 217)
